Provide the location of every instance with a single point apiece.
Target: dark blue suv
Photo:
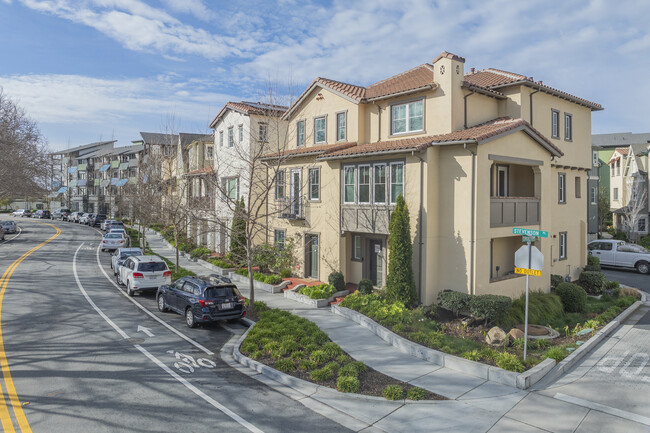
(202, 299)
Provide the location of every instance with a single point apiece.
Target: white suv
(143, 273)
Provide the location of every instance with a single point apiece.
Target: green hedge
(365, 286)
(555, 280)
(323, 291)
(491, 308)
(273, 279)
(454, 301)
(543, 308)
(593, 263)
(593, 282)
(336, 279)
(574, 297)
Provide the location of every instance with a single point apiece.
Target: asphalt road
(77, 362)
(628, 277)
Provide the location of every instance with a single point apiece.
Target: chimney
(472, 69)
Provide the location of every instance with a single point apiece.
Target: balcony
(291, 208)
(514, 211)
(362, 218)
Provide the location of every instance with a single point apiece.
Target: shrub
(319, 356)
(243, 272)
(289, 346)
(284, 365)
(574, 297)
(609, 314)
(248, 347)
(555, 280)
(221, 263)
(393, 392)
(365, 286)
(593, 263)
(543, 308)
(342, 359)
(336, 279)
(400, 282)
(645, 242)
(285, 273)
(347, 384)
(348, 370)
(321, 374)
(625, 301)
(200, 252)
(256, 355)
(509, 362)
(592, 282)
(453, 301)
(273, 279)
(332, 349)
(490, 308)
(358, 365)
(297, 355)
(323, 291)
(416, 393)
(613, 288)
(621, 236)
(238, 233)
(557, 353)
(307, 365)
(332, 365)
(472, 355)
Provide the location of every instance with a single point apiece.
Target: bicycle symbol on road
(187, 363)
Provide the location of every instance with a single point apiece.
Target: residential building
(474, 155)
(592, 199)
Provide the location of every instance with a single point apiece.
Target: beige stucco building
(474, 154)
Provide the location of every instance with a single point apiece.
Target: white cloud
(192, 7)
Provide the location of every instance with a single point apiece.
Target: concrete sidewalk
(475, 405)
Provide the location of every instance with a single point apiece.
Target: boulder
(496, 336)
(515, 333)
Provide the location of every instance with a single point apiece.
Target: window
(641, 225)
(300, 133)
(578, 189)
(562, 240)
(220, 138)
(407, 117)
(278, 238)
(380, 183)
(263, 132)
(320, 124)
(230, 188)
(314, 184)
(612, 170)
(396, 180)
(348, 181)
(502, 180)
(231, 137)
(555, 123)
(356, 248)
(618, 167)
(240, 129)
(279, 184)
(364, 184)
(561, 188)
(568, 119)
(594, 159)
(594, 195)
(341, 121)
(615, 193)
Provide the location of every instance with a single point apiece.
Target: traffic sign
(529, 259)
(529, 232)
(533, 272)
(528, 238)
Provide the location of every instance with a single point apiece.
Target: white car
(9, 226)
(83, 219)
(120, 255)
(21, 213)
(120, 231)
(143, 273)
(113, 241)
(105, 225)
(620, 254)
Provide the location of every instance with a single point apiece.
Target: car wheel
(128, 289)
(119, 279)
(162, 306)
(189, 318)
(643, 267)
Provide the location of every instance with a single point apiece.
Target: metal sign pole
(526, 314)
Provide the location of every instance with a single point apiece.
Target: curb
(318, 303)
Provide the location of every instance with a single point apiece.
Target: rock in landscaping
(515, 333)
(585, 332)
(496, 336)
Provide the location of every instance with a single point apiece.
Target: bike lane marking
(155, 360)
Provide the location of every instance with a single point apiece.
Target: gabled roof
(619, 139)
(478, 134)
(159, 138)
(186, 138)
(308, 150)
(248, 108)
(495, 79)
(84, 147)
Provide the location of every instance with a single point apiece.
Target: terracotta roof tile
(355, 92)
(623, 150)
(250, 108)
(309, 150)
(205, 170)
(415, 78)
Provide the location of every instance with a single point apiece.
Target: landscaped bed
(299, 348)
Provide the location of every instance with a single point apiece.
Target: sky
(90, 70)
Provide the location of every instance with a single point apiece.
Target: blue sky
(106, 69)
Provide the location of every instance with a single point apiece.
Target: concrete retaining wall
(318, 303)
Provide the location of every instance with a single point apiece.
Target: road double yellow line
(5, 418)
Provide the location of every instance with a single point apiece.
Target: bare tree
(604, 214)
(24, 160)
(637, 205)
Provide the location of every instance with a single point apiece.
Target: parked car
(83, 219)
(113, 241)
(105, 224)
(43, 214)
(143, 273)
(78, 217)
(120, 255)
(202, 300)
(22, 213)
(2, 233)
(96, 220)
(617, 253)
(115, 225)
(60, 214)
(116, 230)
(9, 226)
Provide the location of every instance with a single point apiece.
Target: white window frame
(221, 138)
(341, 126)
(280, 183)
(645, 225)
(300, 136)
(561, 188)
(369, 184)
(392, 167)
(568, 126)
(562, 250)
(356, 247)
(555, 123)
(615, 194)
(407, 117)
(324, 119)
(226, 188)
(263, 132)
(374, 183)
(353, 184)
(231, 137)
(594, 195)
(313, 184)
(279, 237)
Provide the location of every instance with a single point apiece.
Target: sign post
(528, 261)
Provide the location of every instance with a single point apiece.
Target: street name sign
(529, 232)
(528, 238)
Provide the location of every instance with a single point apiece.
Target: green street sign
(528, 238)
(529, 232)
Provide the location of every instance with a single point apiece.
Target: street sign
(533, 272)
(528, 238)
(525, 259)
(529, 232)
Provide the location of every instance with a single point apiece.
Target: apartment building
(474, 155)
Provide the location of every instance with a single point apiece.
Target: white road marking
(603, 408)
(145, 330)
(15, 236)
(156, 361)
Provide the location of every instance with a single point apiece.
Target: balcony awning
(122, 182)
(114, 181)
(105, 183)
(104, 167)
(124, 166)
(133, 163)
(72, 184)
(62, 189)
(97, 182)
(82, 182)
(133, 180)
(82, 167)
(115, 164)
(72, 169)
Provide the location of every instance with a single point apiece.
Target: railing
(510, 211)
(292, 208)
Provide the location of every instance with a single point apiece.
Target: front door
(376, 265)
(311, 256)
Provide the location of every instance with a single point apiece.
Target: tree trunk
(251, 285)
(176, 246)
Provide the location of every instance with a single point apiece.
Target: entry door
(295, 192)
(502, 181)
(311, 256)
(376, 265)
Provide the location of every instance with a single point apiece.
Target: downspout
(420, 216)
(530, 96)
(465, 108)
(472, 288)
(378, 120)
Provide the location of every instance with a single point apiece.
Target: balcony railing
(511, 211)
(292, 208)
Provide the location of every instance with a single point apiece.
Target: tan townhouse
(474, 154)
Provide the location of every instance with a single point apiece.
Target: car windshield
(114, 236)
(221, 292)
(125, 254)
(152, 267)
(116, 224)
